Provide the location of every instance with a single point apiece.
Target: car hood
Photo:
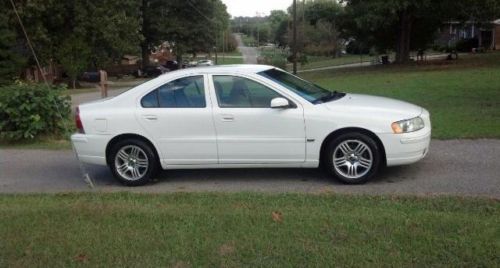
(374, 106)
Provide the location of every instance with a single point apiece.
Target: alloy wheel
(131, 162)
(352, 159)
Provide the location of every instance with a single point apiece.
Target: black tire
(146, 154)
(353, 160)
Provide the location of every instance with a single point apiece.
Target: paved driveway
(457, 167)
(250, 54)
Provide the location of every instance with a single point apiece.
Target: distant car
(189, 64)
(171, 65)
(202, 63)
(247, 116)
(92, 77)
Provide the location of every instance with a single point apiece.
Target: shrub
(277, 60)
(30, 110)
(354, 47)
(466, 45)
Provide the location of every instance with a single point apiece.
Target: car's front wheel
(133, 162)
(353, 158)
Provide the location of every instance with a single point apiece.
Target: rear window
(187, 92)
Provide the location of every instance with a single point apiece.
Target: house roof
(130, 57)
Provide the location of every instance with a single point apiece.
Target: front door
(248, 130)
(179, 117)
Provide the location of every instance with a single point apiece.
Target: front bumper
(403, 150)
(408, 148)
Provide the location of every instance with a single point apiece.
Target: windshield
(307, 90)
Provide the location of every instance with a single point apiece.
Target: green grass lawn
(235, 53)
(248, 40)
(233, 230)
(319, 62)
(225, 60)
(463, 97)
(234, 57)
(38, 144)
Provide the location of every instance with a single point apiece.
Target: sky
(250, 8)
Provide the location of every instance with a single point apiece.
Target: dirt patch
(227, 248)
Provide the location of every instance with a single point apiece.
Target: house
(482, 35)
(130, 60)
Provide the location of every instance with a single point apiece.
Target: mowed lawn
(463, 96)
(252, 230)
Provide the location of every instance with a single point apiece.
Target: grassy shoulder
(320, 62)
(38, 144)
(463, 97)
(193, 230)
(225, 60)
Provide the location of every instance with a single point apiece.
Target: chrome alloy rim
(352, 159)
(131, 162)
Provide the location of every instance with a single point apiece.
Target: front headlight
(410, 125)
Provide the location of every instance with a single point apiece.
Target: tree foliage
(402, 25)
(191, 25)
(82, 34)
(10, 58)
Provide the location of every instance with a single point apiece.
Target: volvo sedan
(247, 116)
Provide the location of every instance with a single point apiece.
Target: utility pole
(294, 37)
(224, 46)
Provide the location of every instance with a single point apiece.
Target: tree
(324, 16)
(191, 25)
(74, 55)
(278, 23)
(108, 29)
(199, 34)
(403, 25)
(10, 59)
(389, 24)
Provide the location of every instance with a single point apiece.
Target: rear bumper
(91, 149)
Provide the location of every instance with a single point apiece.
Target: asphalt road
(456, 167)
(250, 54)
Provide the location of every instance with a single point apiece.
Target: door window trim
(206, 93)
(293, 105)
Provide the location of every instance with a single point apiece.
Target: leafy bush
(356, 48)
(30, 110)
(276, 60)
(466, 45)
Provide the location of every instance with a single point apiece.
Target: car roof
(236, 68)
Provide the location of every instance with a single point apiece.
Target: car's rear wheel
(133, 162)
(353, 158)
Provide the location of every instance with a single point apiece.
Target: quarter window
(188, 92)
(239, 92)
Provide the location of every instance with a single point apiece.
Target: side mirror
(280, 103)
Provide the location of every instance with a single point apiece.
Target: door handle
(227, 117)
(150, 117)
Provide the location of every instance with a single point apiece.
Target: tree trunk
(74, 83)
(404, 33)
(145, 31)
(145, 53)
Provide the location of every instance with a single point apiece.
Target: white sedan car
(247, 116)
(204, 63)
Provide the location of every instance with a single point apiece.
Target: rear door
(178, 115)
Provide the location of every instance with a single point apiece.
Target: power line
(85, 174)
(29, 43)
(199, 12)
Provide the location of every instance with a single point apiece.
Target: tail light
(78, 121)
